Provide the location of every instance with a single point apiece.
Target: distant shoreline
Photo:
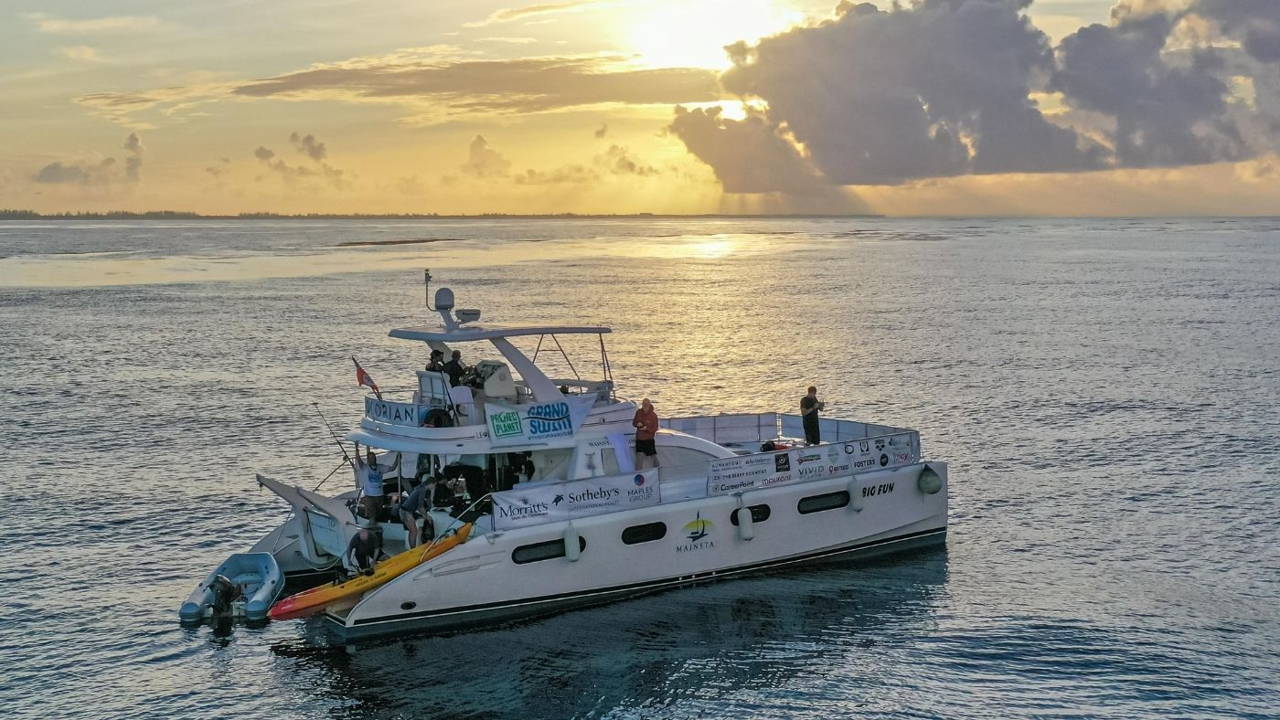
(175, 215)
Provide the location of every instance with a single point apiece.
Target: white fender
(928, 481)
(746, 525)
(856, 501)
(572, 549)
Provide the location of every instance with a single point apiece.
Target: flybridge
(492, 332)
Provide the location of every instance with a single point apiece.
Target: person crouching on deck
(646, 425)
(363, 550)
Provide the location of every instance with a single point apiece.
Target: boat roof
(472, 333)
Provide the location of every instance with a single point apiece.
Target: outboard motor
(225, 593)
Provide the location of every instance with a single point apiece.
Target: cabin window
(679, 462)
(543, 550)
(644, 533)
(609, 461)
(818, 503)
(552, 464)
(759, 513)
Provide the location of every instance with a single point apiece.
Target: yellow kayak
(310, 602)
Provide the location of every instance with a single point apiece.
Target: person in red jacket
(646, 425)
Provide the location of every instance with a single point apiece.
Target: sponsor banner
(395, 413)
(538, 422)
(820, 462)
(746, 472)
(881, 452)
(522, 507)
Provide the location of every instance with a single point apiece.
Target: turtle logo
(559, 499)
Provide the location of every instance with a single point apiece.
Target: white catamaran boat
(548, 511)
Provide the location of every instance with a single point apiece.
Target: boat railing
(877, 447)
(739, 429)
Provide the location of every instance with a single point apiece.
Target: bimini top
(471, 333)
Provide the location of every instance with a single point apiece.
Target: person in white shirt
(369, 478)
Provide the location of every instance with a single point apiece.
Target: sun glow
(678, 33)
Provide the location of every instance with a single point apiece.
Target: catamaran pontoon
(558, 516)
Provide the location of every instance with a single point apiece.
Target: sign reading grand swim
(536, 422)
(761, 470)
(549, 502)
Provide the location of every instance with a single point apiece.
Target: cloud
(517, 13)
(748, 156)
(133, 163)
(291, 174)
(564, 174)
(519, 85)
(1175, 106)
(309, 146)
(938, 89)
(510, 40)
(56, 172)
(93, 26)
(167, 102)
(943, 88)
(80, 53)
(483, 161)
(1255, 22)
(617, 160)
(95, 173)
(614, 162)
(220, 168)
(441, 80)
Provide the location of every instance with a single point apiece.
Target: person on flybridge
(455, 369)
(810, 405)
(436, 363)
(646, 425)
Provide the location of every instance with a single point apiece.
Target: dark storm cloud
(524, 85)
(1256, 23)
(748, 156)
(935, 90)
(944, 87)
(1165, 114)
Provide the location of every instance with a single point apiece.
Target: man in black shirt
(455, 369)
(363, 550)
(809, 407)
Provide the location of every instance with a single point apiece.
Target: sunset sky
(1062, 107)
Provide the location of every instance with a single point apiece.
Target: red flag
(363, 378)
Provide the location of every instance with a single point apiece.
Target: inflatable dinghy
(310, 602)
(244, 585)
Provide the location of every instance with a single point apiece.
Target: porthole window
(543, 551)
(644, 533)
(818, 503)
(759, 513)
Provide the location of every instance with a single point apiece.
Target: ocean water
(1106, 391)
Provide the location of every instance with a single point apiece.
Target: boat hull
(483, 582)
